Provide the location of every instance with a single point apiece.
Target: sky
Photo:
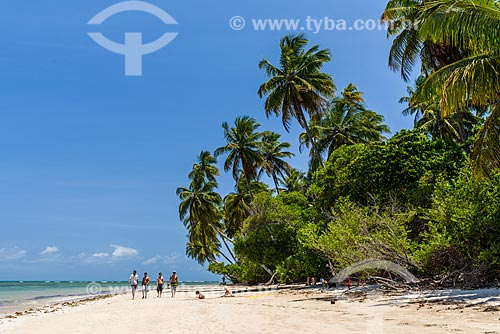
(90, 158)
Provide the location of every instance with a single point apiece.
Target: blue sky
(90, 159)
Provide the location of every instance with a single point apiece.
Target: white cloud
(169, 259)
(124, 251)
(152, 260)
(100, 255)
(50, 250)
(11, 253)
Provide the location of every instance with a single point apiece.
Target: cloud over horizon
(11, 253)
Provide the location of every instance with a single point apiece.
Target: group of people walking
(172, 282)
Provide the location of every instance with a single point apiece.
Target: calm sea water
(19, 295)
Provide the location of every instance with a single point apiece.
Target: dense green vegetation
(427, 199)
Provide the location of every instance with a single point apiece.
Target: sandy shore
(275, 311)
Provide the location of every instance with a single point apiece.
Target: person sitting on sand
(160, 280)
(133, 281)
(227, 292)
(199, 295)
(174, 281)
(145, 285)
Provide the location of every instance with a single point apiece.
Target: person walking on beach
(145, 285)
(133, 281)
(160, 280)
(174, 281)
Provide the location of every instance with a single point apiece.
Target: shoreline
(302, 307)
(30, 307)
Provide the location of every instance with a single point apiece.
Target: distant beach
(269, 309)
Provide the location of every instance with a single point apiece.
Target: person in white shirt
(133, 281)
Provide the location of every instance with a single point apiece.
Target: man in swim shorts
(133, 281)
(160, 280)
(145, 285)
(174, 281)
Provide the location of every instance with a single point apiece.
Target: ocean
(21, 295)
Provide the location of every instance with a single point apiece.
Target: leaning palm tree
(205, 168)
(297, 87)
(203, 250)
(242, 149)
(273, 155)
(200, 212)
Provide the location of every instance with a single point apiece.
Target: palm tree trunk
(314, 147)
(275, 179)
(461, 127)
(247, 180)
(229, 250)
(228, 259)
(225, 238)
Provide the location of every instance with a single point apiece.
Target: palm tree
(273, 153)
(203, 251)
(237, 205)
(205, 168)
(200, 212)
(427, 116)
(295, 181)
(409, 47)
(407, 19)
(347, 122)
(471, 82)
(297, 87)
(242, 148)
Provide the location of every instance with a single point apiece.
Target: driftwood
(391, 284)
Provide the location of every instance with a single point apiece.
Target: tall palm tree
(205, 168)
(242, 148)
(347, 122)
(297, 86)
(471, 82)
(273, 153)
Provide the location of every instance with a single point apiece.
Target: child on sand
(227, 292)
(199, 295)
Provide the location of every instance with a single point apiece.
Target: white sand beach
(276, 311)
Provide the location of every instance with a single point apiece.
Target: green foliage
(233, 271)
(357, 233)
(400, 170)
(465, 222)
(269, 238)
